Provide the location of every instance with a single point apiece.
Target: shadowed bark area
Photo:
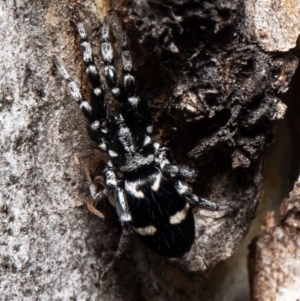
(214, 95)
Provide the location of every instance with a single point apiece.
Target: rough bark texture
(274, 24)
(214, 94)
(274, 258)
(217, 97)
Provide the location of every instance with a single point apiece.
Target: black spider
(150, 194)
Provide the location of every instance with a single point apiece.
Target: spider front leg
(95, 111)
(97, 90)
(133, 107)
(89, 113)
(107, 55)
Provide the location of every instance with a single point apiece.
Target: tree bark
(214, 94)
(274, 258)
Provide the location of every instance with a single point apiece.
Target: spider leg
(118, 193)
(97, 90)
(162, 155)
(96, 109)
(134, 108)
(107, 55)
(163, 158)
(176, 172)
(122, 208)
(128, 79)
(122, 247)
(218, 211)
(192, 199)
(95, 128)
(95, 196)
(124, 240)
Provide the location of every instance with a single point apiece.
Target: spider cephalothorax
(150, 194)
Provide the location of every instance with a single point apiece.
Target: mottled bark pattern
(274, 257)
(219, 88)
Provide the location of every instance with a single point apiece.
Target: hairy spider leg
(121, 205)
(97, 129)
(124, 95)
(76, 95)
(91, 112)
(97, 100)
(180, 176)
(108, 59)
(134, 109)
(137, 109)
(121, 202)
(122, 247)
(123, 213)
(164, 159)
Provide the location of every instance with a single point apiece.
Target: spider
(150, 192)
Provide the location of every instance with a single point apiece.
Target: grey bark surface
(215, 98)
(274, 258)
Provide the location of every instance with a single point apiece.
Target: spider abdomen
(160, 216)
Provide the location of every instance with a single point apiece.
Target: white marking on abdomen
(132, 189)
(179, 216)
(150, 230)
